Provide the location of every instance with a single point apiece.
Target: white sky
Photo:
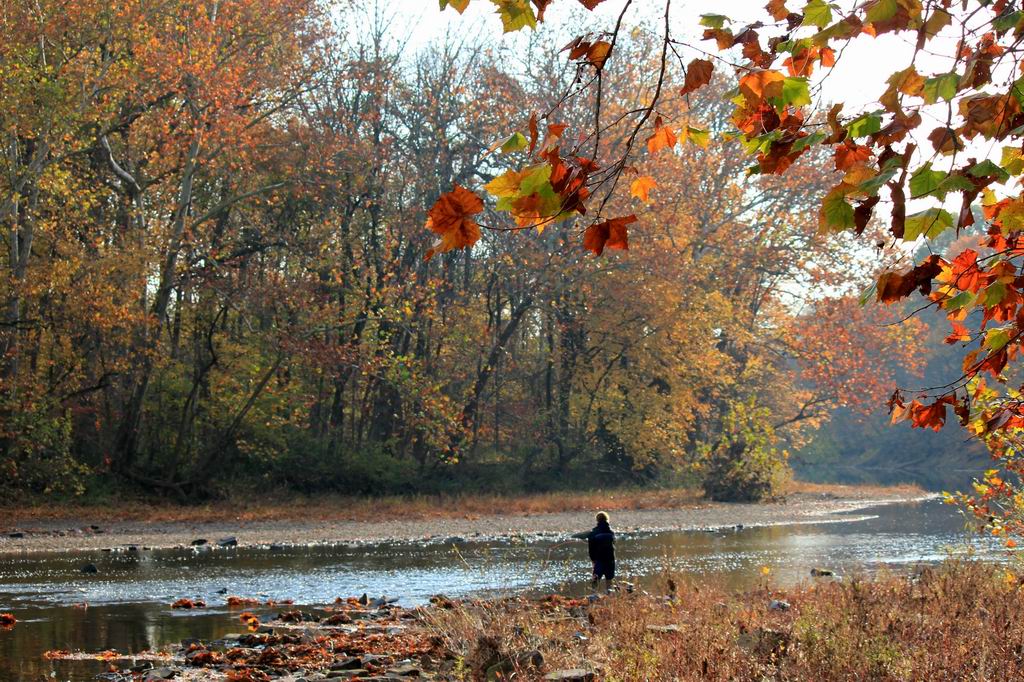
(857, 80)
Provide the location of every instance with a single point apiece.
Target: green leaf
(986, 169)
(882, 10)
(817, 13)
(864, 125)
(925, 181)
(940, 87)
(994, 293)
(872, 186)
(836, 212)
(809, 141)
(713, 20)
(996, 339)
(1012, 160)
(962, 300)
(795, 92)
(1007, 22)
(698, 136)
(514, 143)
(930, 223)
(534, 179)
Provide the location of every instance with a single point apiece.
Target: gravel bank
(84, 534)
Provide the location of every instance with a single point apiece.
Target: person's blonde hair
(602, 516)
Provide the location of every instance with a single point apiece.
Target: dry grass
(961, 621)
(342, 508)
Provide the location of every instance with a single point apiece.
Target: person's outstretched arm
(581, 536)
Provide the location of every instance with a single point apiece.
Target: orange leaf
(759, 85)
(451, 218)
(777, 8)
(642, 186)
(698, 74)
(662, 138)
(849, 155)
(598, 53)
(610, 234)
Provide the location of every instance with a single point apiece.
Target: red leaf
(698, 74)
(451, 218)
(610, 234)
(849, 155)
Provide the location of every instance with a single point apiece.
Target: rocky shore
(368, 639)
(954, 621)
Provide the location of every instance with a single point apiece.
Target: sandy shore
(61, 535)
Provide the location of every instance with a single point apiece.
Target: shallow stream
(128, 598)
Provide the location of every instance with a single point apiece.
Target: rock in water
(821, 572)
(231, 541)
(90, 568)
(198, 542)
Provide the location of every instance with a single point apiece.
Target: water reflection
(128, 598)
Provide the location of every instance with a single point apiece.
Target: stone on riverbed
(89, 568)
(230, 541)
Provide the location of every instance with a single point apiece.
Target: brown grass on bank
(960, 621)
(413, 507)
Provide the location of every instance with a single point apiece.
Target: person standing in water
(601, 547)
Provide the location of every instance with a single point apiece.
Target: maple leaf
(759, 85)
(777, 8)
(611, 234)
(458, 5)
(698, 74)
(451, 218)
(642, 186)
(598, 53)
(515, 14)
(591, 4)
(662, 138)
(849, 155)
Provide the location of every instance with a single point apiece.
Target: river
(128, 599)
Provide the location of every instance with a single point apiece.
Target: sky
(857, 80)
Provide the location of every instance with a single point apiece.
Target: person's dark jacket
(600, 543)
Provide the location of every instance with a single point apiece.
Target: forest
(216, 272)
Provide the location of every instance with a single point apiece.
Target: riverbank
(355, 520)
(959, 620)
